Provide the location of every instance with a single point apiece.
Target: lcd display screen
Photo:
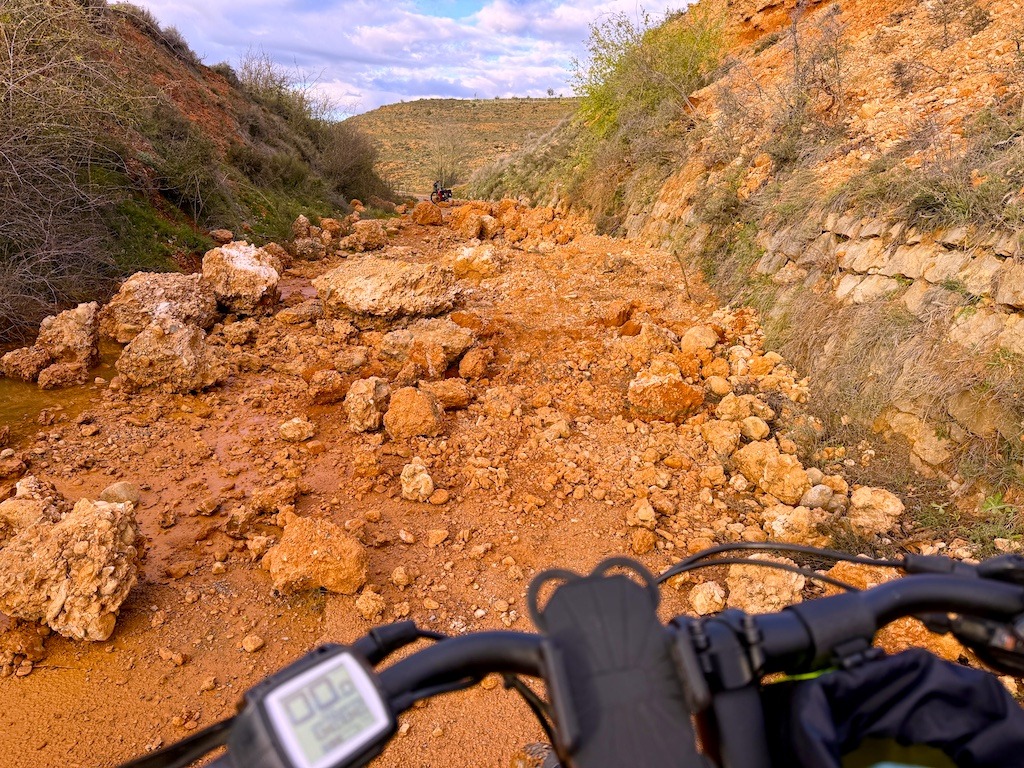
(327, 714)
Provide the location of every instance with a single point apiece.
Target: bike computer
(324, 711)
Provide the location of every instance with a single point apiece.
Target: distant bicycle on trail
(440, 194)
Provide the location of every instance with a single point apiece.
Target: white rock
(417, 484)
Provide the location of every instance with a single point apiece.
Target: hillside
(772, 292)
(853, 171)
(421, 141)
(122, 151)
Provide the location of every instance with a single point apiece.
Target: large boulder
(297, 430)
(368, 235)
(300, 227)
(722, 437)
(785, 478)
(308, 249)
(452, 394)
(417, 485)
(752, 459)
(243, 277)
(25, 363)
(147, 295)
(874, 510)
(314, 554)
(74, 574)
(758, 589)
(34, 501)
(366, 402)
(61, 375)
(413, 413)
(326, 387)
(467, 222)
(778, 474)
(432, 344)
(477, 261)
(427, 214)
(660, 394)
(796, 525)
(652, 340)
(72, 336)
(172, 357)
(67, 347)
(903, 633)
(384, 289)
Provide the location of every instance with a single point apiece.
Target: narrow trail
(547, 467)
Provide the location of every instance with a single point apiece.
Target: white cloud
(375, 52)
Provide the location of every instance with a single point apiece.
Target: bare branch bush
(445, 157)
(59, 104)
(957, 19)
(812, 103)
(348, 160)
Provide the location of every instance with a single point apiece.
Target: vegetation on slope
(631, 126)
(119, 150)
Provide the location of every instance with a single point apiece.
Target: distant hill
(418, 140)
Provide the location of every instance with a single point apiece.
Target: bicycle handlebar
(596, 674)
(798, 638)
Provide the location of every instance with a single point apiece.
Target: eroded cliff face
(881, 241)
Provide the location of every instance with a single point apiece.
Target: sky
(367, 53)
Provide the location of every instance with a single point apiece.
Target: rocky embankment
(389, 419)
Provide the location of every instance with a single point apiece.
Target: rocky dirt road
(354, 464)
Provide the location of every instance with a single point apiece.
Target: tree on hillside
(445, 157)
(637, 67)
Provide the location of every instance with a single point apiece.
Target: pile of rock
(333, 236)
(66, 348)
(372, 291)
(69, 568)
(716, 381)
(163, 319)
(508, 220)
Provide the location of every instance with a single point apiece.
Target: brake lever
(1009, 568)
(938, 565)
(999, 645)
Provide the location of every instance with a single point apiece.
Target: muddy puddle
(21, 402)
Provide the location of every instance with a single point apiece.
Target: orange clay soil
(520, 503)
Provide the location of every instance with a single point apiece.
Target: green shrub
(347, 160)
(169, 37)
(226, 71)
(636, 68)
(186, 167)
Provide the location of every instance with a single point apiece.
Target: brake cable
(805, 572)
(769, 546)
(541, 709)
